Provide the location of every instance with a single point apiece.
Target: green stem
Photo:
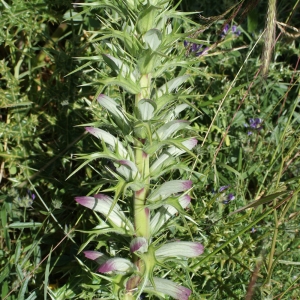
(141, 212)
(273, 247)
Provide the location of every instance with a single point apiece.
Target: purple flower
(31, 195)
(117, 265)
(196, 49)
(255, 123)
(98, 257)
(230, 197)
(235, 30)
(139, 244)
(223, 188)
(225, 29)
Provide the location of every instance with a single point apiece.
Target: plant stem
(269, 36)
(141, 212)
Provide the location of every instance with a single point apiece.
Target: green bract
(143, 142)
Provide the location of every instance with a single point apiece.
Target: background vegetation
(252, 253)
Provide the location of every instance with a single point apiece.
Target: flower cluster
(229, 197)
(234, 30)
(196, 49)
(254, 123)
(118, 265)
(26, 201)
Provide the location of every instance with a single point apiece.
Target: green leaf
(147, 61)
(91, 157)
(32, 296)
(169, 154)
(4, 285)
(153, 38)
(176, 111)
(146, 108)
(126, 84)
(71, 14)
(119, 67)
(260, 201)
(230, 169)
(128, 169)
(47, 273)
(221, 96)
(146, 19)
(171, 85)
(155, 146)
(16, 104)
(165, 212)
(23, 288)
(115, 110)
(109, 139)
(168, 129)
(169, 188)
(21, 225)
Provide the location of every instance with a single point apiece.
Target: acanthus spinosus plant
(144, 49)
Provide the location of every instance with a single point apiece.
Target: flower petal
(181, 249)
(172, 152)
(166, 212)
(169, 128)
(170, 288)
(117, 265)
(223, 188)
(169, 188)
(139, 244)
(108, 139)
(99, 257)
(127, 168)
(102, 203)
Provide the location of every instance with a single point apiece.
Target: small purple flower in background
(225, 29)
(225, 197)
(196, 49)
(234, 30)
(254, 123)
(230, 197)
(27, 200)
(31, 195)
(223, 188)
